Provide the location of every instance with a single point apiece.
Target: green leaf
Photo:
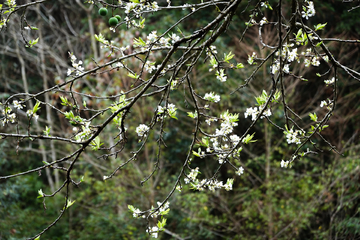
(69, 203)
(33, 42)
(161, 224)
(139, 42)
(47, 131)
(228, 57)
(165, 212)
(318, 44)
(239, 65)
(34, 28)
(205, 141)
(95, 144)
(38, 238)
(135, 76)
(320, 26)
(192, 114)
(313, 117)
(131, 208)
(36, 107)
(248, 139)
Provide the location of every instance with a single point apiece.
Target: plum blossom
(240, 171)
(292, 136)
(142, 129)
(212, 97)
(221, 76)
(330, 81)
(284, 164)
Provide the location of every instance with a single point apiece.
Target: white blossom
(17, 105)
(292, 55)
(152, 37)
(212, 97)
(329, 82)
(221, 75)
(284, 164)
(30, 113)
(263, 21)
(142, 129)
(253, 112)
(310, 10)
(228, 185)
(292, 136)
(208, 121)
(240, 171)
(174, 38)
(315, 62)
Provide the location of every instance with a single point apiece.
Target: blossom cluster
(10, 116)
(309, 10)
(254, 112)
(154, 39)
(330, 81)
(221, 76)
(328, 104)
(85, 132)
(78, 68)
(211, 184)
(138, 7)
(142, 130)
(170, 109)
(212, 97)
(162, 210)
(31, 114)
(292, 136)
(284, 164)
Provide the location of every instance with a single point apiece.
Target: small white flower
(240, 171)
(286, 68)
(152, 37)
(329, 82)
(326, 58)
(142, 129)
(323, 103)
(284, 164)
(263, 21)
(292, 55)
(315, 62)
(275, 68)
(212, 97)
(253, 112)
(292, 136)
(174, 38)
(221, 75)
(17, 105)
